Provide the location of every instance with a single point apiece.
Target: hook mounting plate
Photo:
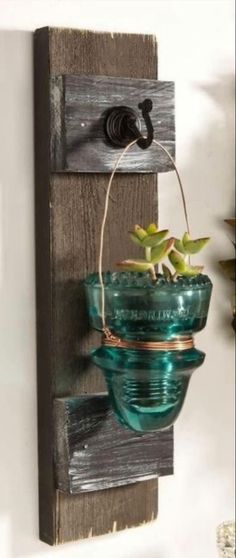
(79, 108)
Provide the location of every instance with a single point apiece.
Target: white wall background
(196, 49)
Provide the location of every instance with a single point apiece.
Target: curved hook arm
(146, 108)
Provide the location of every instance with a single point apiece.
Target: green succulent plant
(157, 247)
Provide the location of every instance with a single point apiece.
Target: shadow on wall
(208, 178)
(207, 420)
(18, 463)
(222, 94)
(18, 466)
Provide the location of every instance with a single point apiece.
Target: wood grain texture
(68, 217)
(76, 213)
(116, 509)
(78, 107)
(93, 452)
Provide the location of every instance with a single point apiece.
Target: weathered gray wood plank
(93, 452)
(78, 105)
(76, 213)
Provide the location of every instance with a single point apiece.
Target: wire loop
(100, 260)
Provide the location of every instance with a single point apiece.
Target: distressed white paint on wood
(93, 452)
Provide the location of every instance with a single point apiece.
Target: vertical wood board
(68, 219)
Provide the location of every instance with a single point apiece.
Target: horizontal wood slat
(94, 452)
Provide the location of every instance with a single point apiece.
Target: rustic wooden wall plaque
(69, 210)
(78, 105)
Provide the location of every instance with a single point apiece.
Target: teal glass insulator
(148, 387)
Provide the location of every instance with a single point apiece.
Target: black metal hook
(146, 108)
(122, 125)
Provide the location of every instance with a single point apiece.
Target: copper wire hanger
(120, 121)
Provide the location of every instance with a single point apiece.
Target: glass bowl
(138, 309)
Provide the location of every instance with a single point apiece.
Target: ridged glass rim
(120, 280)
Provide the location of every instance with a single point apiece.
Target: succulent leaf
(154, 239)
(135, 239)
(186, 238)
(181, 266)
(192, 270)
(177, 261)
(179, 246)
(152, 228)
(161, 251)
(195, 246)
(135, 265)
(139, 232)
